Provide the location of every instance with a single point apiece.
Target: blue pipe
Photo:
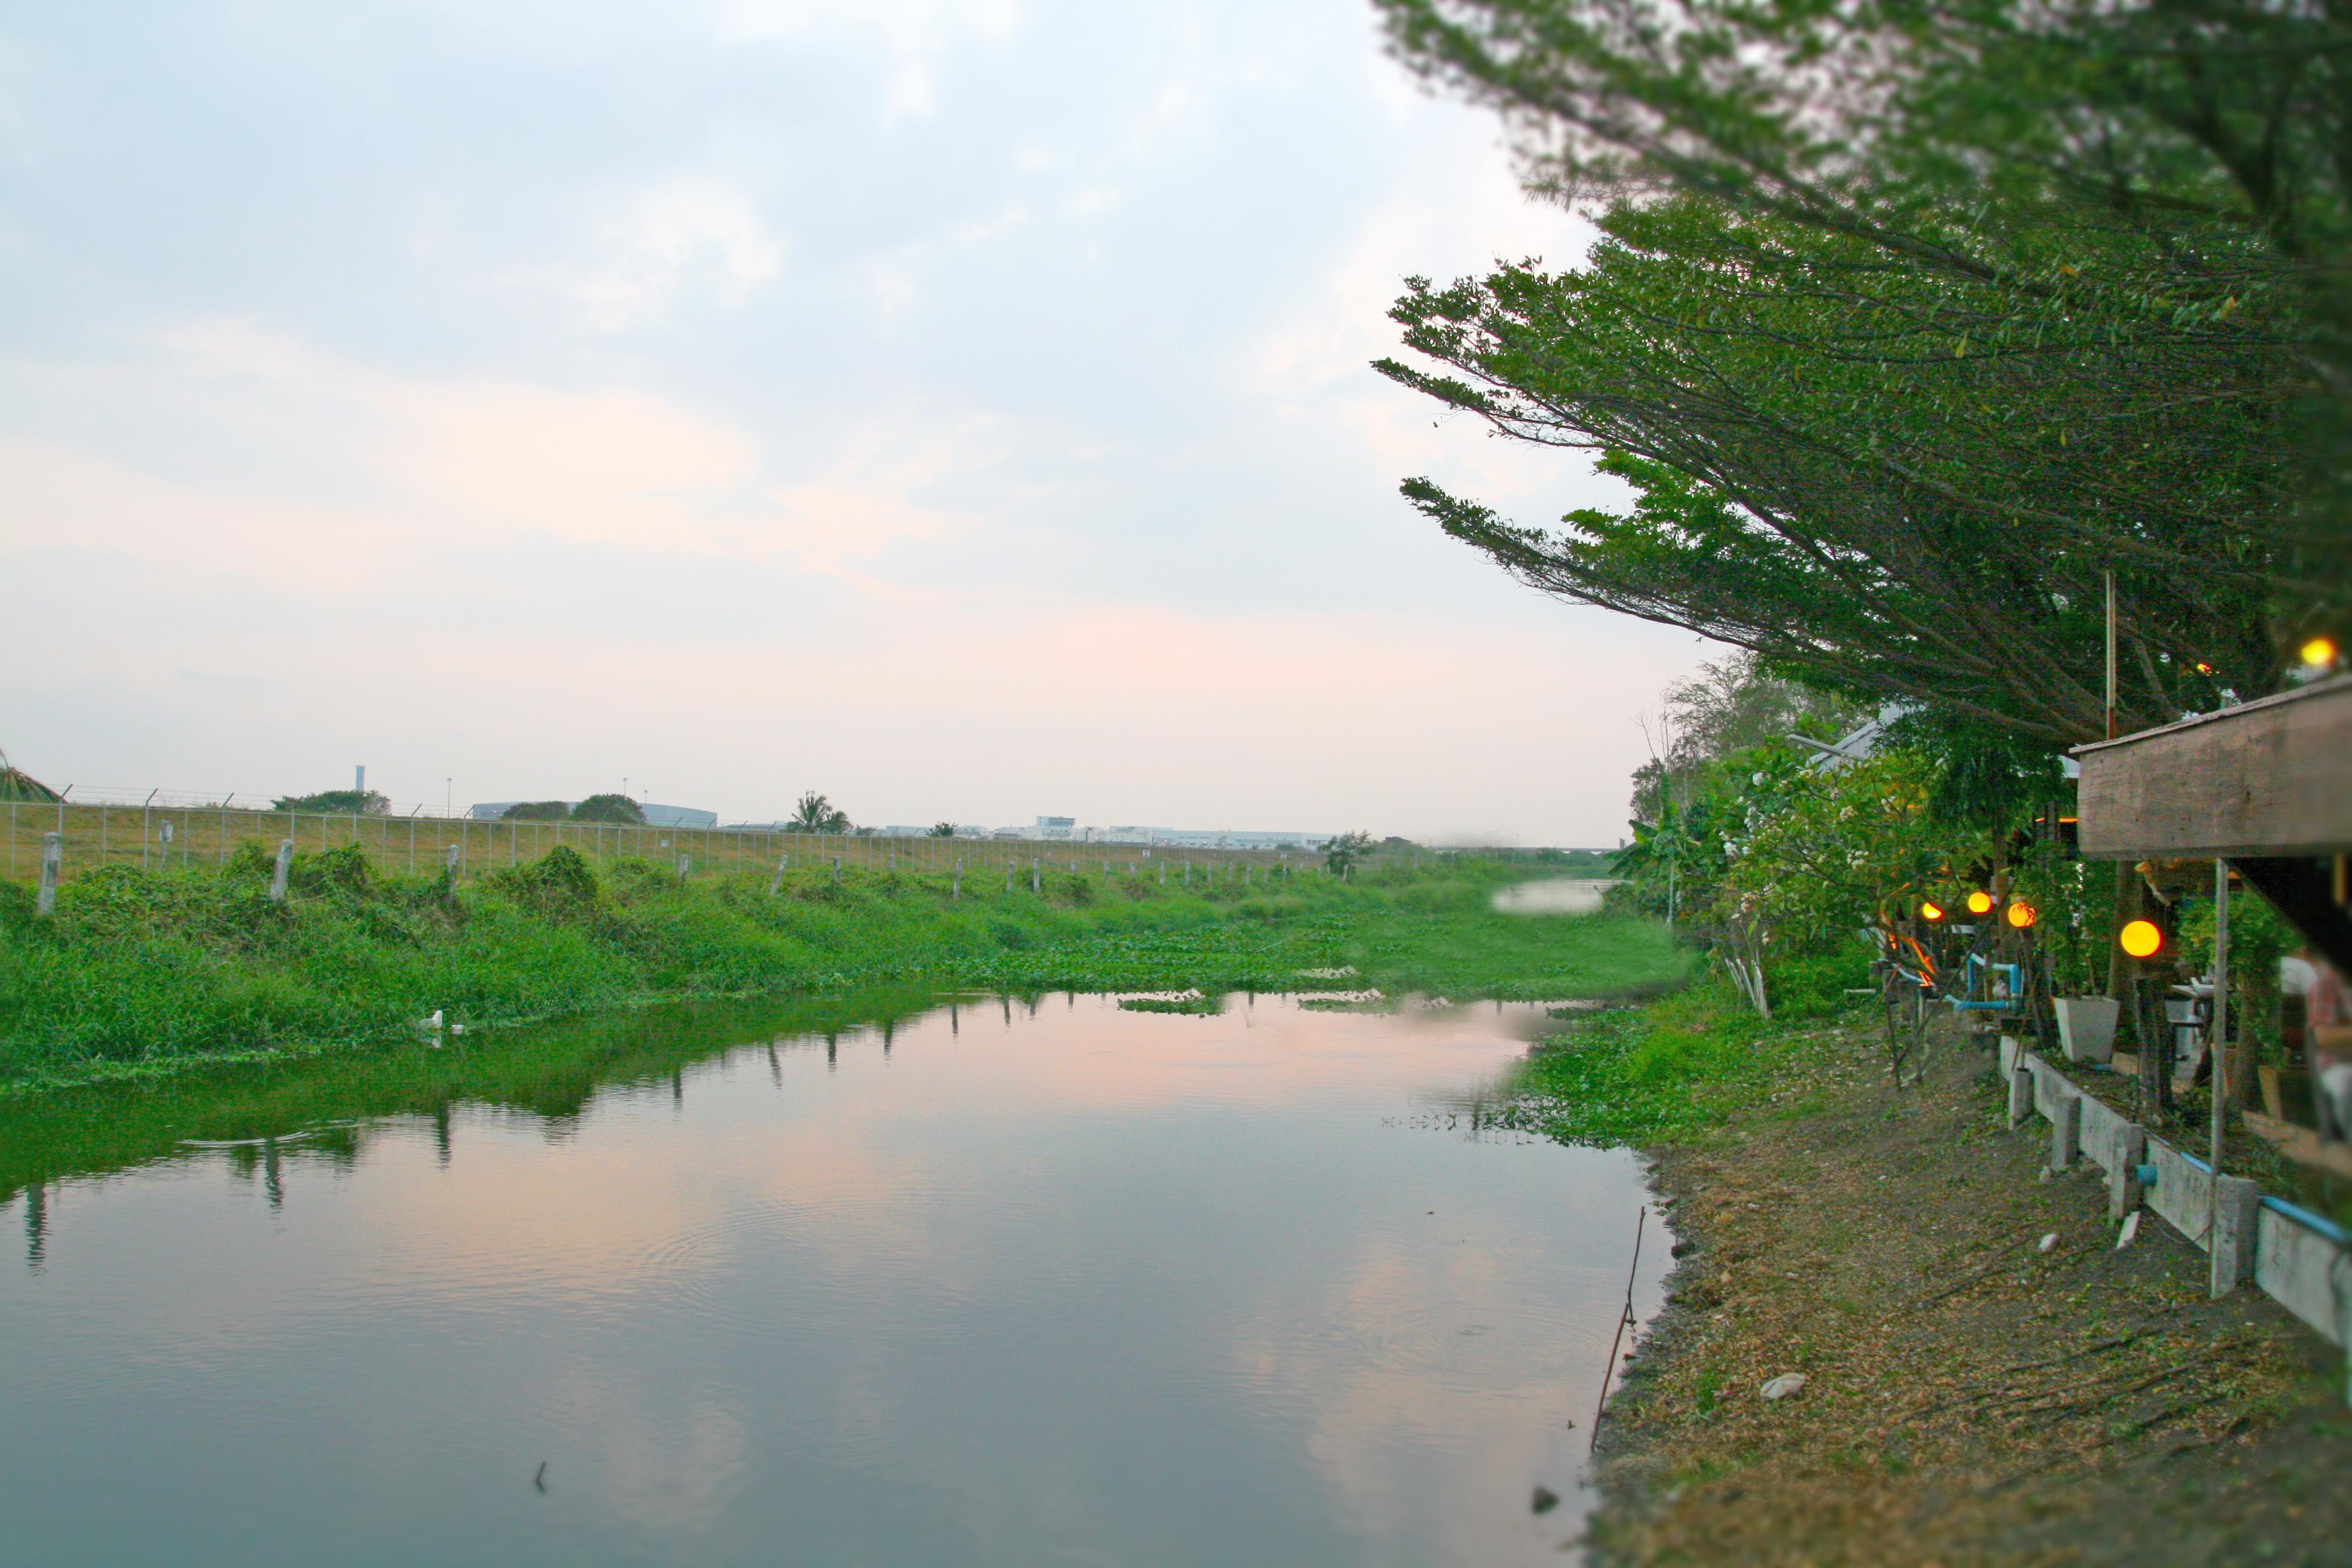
(2305, 1217)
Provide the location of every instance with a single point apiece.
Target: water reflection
(1093, 1285)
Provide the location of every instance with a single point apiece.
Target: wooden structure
(2266, 786)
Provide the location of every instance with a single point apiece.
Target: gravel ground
(1968, 1398)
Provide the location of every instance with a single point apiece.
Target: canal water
(918, 1281)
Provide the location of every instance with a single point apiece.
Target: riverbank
(148, 972)
(1968, 1397)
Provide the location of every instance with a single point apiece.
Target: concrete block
(2130, 1149)
(2067, 1133)
(2101, 1133)
(2020, 1097)
(2237, 1201)
(2298, 1268)
(2178, 1196)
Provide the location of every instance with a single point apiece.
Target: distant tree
(943, 830)
(362, 802)
(18, 786)
(537, 811)
(1340, 853)
(815, 813)
(617, 808)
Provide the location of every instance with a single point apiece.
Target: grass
(142, 974)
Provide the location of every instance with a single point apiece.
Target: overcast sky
(960, 406)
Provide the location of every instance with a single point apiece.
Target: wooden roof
(2271, 778)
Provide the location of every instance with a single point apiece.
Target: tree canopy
(1910, 323)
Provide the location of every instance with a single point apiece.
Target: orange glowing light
(2319, 650)
(2023, 915)
(1979, 903)
(2141, 938)
(1931, 912)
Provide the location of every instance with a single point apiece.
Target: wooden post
(285, 865)
(53, 855)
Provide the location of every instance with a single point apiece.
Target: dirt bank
(1968, 1398)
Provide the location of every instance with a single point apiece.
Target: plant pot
(2086, 1026)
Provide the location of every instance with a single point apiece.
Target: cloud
(911, 36)
(687, 233)
(410, 463)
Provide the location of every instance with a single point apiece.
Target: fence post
(53, 854)
(2123, 1181)
(285, 865)
(776, 882)
(2237, 1200)
(2066, 1132)
(836, 870)
(1037, 879)
(955, 889)
(685, 866)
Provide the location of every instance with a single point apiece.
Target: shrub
(558, 884)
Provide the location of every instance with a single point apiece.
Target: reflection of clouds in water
(1558, 896)
(1430, 1414)
(658, 1468)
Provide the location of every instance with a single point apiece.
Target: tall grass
(142, 972)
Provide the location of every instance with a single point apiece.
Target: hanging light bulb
(1979, 903)
(1931, 912)
(2023, 915)
(2141, 938)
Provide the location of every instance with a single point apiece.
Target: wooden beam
(2270, 779)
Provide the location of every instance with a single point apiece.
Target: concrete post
(836, 870)
(2236, 1203)
(2123, 1181)
(2339, 1282)
(53, 857)
(2021, 1096)
(285, 865)
(1037, 879)
(776, 882)
(685, 867)
(2067, 1133)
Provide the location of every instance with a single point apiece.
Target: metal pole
(2216, 1047)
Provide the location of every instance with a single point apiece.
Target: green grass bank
(145, 973)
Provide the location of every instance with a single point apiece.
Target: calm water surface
(983, 1285)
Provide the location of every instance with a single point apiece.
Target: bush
(617, 808)
(537, 811)
(560, 884)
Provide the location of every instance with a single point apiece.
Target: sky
(960, 407)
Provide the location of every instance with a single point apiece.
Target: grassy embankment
(141, 973)
(1969, 1398)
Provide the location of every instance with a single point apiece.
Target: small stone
(2047, 1244)
(1785, 1385)
(1546, 1500)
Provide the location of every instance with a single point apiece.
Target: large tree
(1910, 323)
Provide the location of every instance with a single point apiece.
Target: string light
(1979, 903)
(2141, 938)
(2023, 915)
(1931, 912)
(2320, 651)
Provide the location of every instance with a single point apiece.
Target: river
(958, 1282)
